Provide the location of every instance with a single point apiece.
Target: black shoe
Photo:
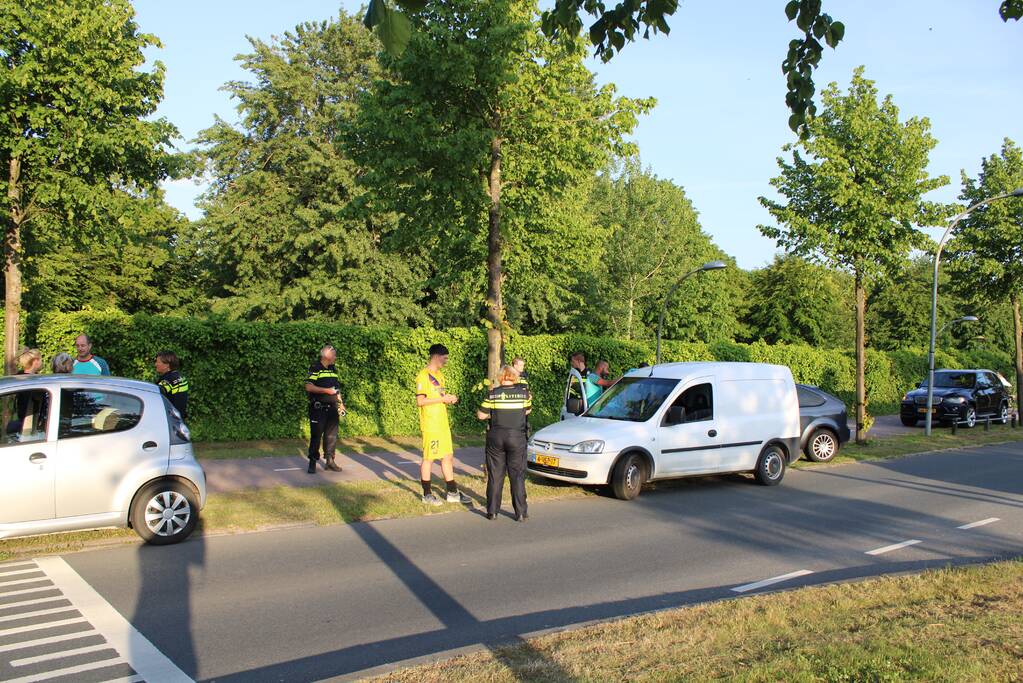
(332, 466)
(312, 467)
(491, 515)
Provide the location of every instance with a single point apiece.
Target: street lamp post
(711, 265)
(934, 295)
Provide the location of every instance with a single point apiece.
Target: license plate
(924, 410)
(548, 460)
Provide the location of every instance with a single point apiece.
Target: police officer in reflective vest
(506, 407)
(172, 385)
(323, 386)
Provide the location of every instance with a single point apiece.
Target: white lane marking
(15, 566)
(63, 653)
(71, 670)
(3, 576)
(36, 613)
(47, 641)
(5, 584)
(982, 522)
(771, 581)
(36, 601)
(38, 627)
(893, 546)
(146, 660)
(127, 679)
(26, 591)
(286, 469)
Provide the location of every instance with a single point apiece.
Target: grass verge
(222, 450)
(947, 625)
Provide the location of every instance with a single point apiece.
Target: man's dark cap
(438, 350)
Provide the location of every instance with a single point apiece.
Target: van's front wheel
(627, 477)
(770, 466)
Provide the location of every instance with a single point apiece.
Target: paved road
(310, 603)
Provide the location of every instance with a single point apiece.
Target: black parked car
(823, 422)
(962, 396)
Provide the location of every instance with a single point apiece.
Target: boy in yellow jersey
(433, 401)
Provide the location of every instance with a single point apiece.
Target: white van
(677, 420)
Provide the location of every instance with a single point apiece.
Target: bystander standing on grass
(433, 400)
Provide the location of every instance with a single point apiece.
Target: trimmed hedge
(246, 379)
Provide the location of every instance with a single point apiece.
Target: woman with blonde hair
(29, 361)
(506, 407)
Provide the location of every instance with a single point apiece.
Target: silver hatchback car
(81, 452)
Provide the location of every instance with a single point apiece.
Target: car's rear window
(808, 398)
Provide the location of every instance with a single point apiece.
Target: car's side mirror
(676, 415)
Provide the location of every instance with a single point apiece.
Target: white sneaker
(431, 499)
(459, 497)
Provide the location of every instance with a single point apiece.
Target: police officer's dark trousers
(323, 423)
(506, 454)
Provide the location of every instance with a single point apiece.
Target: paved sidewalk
(255, 473)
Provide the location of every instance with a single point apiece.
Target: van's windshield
(633, 399)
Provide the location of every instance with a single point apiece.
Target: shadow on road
(165, 597)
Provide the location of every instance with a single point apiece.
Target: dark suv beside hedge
(962, 396)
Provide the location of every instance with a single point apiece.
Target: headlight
(905, 397)
(588, 447)
(953, 399)
(529, 444)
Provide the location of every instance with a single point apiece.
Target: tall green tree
(987, 254)
(75, 108)
(653, 237)
(284, 236)
(852, 201)
(900, 306)
(794, 301)
(477, 141)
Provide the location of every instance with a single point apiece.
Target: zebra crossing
(55, 627)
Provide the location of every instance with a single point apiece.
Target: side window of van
(695, 404)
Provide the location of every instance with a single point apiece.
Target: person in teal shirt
(596, 381)
(86, 363)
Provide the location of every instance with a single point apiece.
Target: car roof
(720, 369)
(90, 381)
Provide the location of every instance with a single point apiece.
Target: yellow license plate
(548, 460)
(924, 410)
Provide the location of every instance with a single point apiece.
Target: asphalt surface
(312, 603)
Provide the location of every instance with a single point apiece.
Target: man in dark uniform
(506, 407)
(171, 383)
(323, 386)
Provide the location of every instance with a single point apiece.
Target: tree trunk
(1017, 334)
(495, 307)
(12, 269)
(861, 360)
(628, 318)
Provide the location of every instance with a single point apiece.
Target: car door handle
(37, 457)
(712, 432)
(149, 445)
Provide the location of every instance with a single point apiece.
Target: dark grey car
(823, 423)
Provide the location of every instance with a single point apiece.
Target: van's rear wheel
(770, 466)
(627, 478)
(165, 512)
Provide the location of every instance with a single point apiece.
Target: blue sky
(721, 119)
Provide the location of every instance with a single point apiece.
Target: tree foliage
(653, 238)
(76, 128)
(480, 142)
(283, 237)
(852, 202)
(793, 301)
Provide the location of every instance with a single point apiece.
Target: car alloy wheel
(971, 417)
(167, 513)
(823, 446)
(1003, 415)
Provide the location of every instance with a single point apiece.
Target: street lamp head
(714, 265)
(1018, 192)
(969, 319)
